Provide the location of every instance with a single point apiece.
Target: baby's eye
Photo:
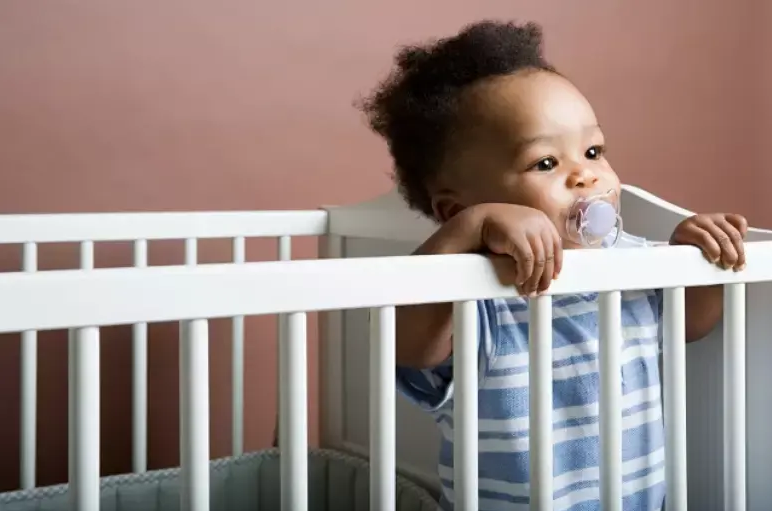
(546, 164)
(594, 152)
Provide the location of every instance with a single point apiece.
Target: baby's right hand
(528, 246)
(528, 252)
(529, 237)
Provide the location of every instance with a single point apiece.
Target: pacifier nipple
(599, 218)
(591, 220)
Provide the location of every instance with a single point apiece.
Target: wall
(762, 65)
(193, 105)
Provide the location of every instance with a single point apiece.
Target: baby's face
(530, 139)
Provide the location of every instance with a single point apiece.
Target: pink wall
(194, 105)
(762, 110)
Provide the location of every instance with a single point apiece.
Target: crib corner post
(331, 330)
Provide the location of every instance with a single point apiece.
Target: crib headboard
(384, 226)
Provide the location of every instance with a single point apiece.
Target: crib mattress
(251, 482)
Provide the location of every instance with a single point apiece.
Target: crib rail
(69, 227)
(87, 300)
(32, 230)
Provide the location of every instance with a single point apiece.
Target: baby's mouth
(590, 219)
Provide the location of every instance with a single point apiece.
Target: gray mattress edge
(251, 482)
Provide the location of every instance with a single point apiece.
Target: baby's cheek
(610, 178)
(554, 201)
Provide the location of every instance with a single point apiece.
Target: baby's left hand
(720, 236)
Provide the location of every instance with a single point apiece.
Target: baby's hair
(416, 107)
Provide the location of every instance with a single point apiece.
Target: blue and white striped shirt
(503, 404)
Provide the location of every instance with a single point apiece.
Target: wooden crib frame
(33, 301)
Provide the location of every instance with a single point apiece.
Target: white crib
(714, 451)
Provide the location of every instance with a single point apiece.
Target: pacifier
(591, 220)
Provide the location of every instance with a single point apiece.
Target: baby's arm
(526, 235)
(424, 331)
(721, 239)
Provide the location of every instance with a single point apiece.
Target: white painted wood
(674, 379)
(128, 295)
(54, 228)
(735, 496)
(191, 252)
(540, 402)
(383, 491)
(609, 360)
(644, 215)
(386, 217)
(237, 362)
(293, 417)
(465, 410)
(139, 378)
(86, 253)
(283, 253)
(417, 441)
(29, 378)
(84, 478)
(194, 415)
(758, 403)
(331, 346)
(188, 355)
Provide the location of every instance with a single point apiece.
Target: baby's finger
(739, 222)
(699, 236)
(506, 269)
(539, 264)
(736, 238)
(523, 254)
(557, 252)
(728, 255)
(549, 267)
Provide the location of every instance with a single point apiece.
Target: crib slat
(29, 365)
(293, 420)
(285, 248)
(674, 362)
(735, 496)
(191, 251)
(540, 402)
(465, 436)
(86, 263)
(139, 378)
(284, 253)
(84, 479)
(87, 255)
(193, 389)
(382, 410)
(237, 362)
(194, 416)
(610, 348)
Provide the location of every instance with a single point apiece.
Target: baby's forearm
(704, 307)
(425, 332)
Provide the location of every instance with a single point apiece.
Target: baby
(494, 144)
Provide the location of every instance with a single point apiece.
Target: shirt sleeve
(657, 306)
(432, 389)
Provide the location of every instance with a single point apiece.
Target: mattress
(251, 482)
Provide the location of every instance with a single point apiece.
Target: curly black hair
(417, 106)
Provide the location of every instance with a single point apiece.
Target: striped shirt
(503, 404)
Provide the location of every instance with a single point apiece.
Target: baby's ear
(445, 206)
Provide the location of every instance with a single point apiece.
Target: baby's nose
(582, 177)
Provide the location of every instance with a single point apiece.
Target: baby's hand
(529, 237)
(720, 236)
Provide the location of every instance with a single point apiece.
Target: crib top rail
(73, 227)
(75, 298)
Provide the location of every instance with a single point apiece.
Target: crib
(366, 429)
